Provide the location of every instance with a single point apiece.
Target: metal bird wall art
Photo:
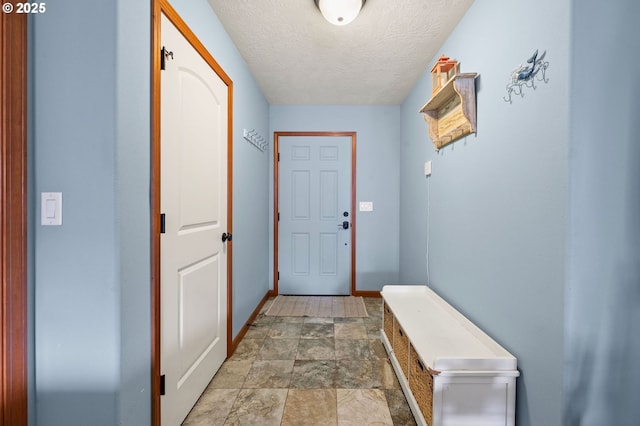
(525, 75)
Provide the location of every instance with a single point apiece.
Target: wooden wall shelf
(451, 113)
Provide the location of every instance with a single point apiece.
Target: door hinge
(278, 156)
(164, 54)
(278, 216)
(278, 275)
(162, 223)
(162, 388)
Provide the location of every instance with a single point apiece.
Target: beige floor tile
(377, 349)
(358, 374)
(352, 349)
(231, 375)
(318, 320)
(270, 374)
(373, 329)
(212, 408)
(247, 350)
(350, 331)
(314, 374)
(350, 320)
(310, 407)
(285, 330)
(289, 320)
(399, 408)
(316, 331)
(316, 349)
(278, 349)
(262, 407)
(359, 407)
(387, 375)
(257, 331)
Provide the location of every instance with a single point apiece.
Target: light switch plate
(366, 206)
(51, 208)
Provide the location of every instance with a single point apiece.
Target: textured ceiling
(298, 58)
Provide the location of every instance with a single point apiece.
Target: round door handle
(226, 237)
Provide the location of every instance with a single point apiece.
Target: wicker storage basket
(401, 347)
(421, 384)
(388, 323)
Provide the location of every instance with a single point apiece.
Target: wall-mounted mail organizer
(255, 139)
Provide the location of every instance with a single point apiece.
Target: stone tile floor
(306, 371)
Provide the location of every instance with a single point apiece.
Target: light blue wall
(132, 185)
(77, 290)
(91, 141)
(497, 200)
(90, 135)
(377, 178)
(602, 376)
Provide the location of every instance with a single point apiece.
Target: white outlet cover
(427, 168)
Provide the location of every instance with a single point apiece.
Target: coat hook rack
(525, 75)
(255, 139)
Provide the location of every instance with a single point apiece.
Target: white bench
(452, 373)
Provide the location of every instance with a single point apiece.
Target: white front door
(193, 198)
(314, 203)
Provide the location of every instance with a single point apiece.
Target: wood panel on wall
(13, 223)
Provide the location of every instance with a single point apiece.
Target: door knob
(226, 237)
(344, 225)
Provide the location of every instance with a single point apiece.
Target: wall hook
(525, 75)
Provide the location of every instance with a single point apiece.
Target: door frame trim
(13, 220)
(163, 7)
(276, 136)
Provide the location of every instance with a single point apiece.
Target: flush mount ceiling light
(340, 12)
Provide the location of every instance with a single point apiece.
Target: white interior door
(314, 202)
(194, 201)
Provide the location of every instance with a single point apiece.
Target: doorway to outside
(314, 217)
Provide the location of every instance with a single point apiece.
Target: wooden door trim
(13, 223)
(276, 136)
(163, 7)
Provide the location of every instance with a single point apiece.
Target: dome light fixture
(340, 12)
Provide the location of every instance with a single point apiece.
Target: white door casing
(315, 217)
(193, 199)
